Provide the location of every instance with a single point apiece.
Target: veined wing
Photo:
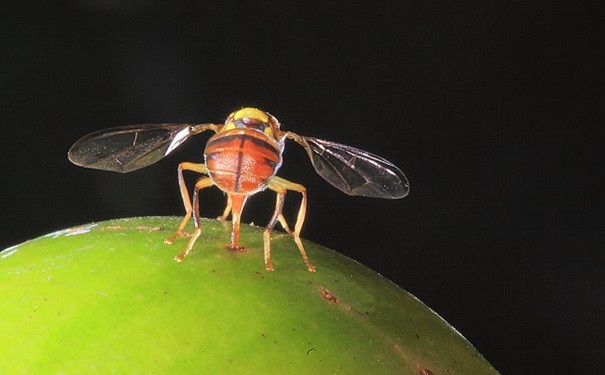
(354, 171)
(128, 148)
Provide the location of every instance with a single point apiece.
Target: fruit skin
(107, 298)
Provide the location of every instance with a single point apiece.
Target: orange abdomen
(241, 161)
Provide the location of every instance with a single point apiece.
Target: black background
(490, 108)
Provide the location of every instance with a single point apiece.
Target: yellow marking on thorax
(251, 113)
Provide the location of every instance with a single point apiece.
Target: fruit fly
(241, 159)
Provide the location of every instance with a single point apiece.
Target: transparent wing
(128, 148)
(354, 171)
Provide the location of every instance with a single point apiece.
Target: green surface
(108, 298)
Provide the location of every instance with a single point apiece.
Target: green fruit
(109, 298)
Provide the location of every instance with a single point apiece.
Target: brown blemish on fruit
(325, 293)
(238, 249)
(329, 296)
(424, 371)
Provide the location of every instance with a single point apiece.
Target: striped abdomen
(241, 161)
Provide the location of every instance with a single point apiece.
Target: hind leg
(281, 186)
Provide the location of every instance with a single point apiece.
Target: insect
(241, 159)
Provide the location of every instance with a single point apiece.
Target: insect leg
(284, 224)
(280, 185)
(202, 183)
(227, 211)
(279, 205)
(199, 168)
